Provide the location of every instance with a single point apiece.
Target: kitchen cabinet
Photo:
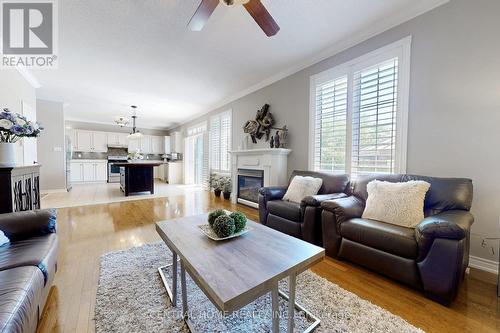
(148, 144)
(89, 171)
(83, 141)
(177, 142)
(134, 145)
(100, 142)
(167, 145)
(89, 141)
(117, 139)
(145, 144)
(159, 172)
(157, 145)
(122, 139)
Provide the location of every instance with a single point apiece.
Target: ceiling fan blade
(260, 14)
(200, 17)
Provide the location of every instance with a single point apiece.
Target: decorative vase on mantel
(14, 127)
(7, 154)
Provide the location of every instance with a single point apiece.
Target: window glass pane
(374, 119)
(331, 125)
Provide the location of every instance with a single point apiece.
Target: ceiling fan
(254, 7)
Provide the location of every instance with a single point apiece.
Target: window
(220, 142)
(359, 113)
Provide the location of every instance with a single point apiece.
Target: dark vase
(217, 193)
(227, 195)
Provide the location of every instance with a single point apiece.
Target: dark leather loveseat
(27, 268)
(301, 220)
(432, 257)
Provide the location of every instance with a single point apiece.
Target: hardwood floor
(87, 232)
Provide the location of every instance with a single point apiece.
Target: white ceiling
(116, 53)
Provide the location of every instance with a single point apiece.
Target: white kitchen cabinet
(157, 145)
(89, 171)
(146, 144)
(99, 142)
(117, 139)
(91, 142)
(76, 172)
(83, 141)
(113, 139)
(101, 172)
(177, 142)
(134, 145)
(122, 139)
(167, 145)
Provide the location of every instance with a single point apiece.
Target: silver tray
(207, 230)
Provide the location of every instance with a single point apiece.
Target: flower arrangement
(14, 127)
(136, 155)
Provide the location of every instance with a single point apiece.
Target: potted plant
(216, 184)
(227, 187)
(14, 127)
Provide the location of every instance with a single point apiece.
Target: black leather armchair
(27, 268)
(301, 220)
(432, 257)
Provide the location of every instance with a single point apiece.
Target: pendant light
(135, 135)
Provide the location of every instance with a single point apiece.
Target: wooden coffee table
(235, 272)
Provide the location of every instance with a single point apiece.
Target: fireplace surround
(255, 168)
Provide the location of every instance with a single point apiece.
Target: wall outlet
(57, 149)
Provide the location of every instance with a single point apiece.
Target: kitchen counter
(139, 163)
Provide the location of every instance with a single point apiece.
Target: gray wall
(111, 128)
(454, 103)
(51, 145)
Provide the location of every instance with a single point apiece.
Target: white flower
(6, 124)
(20, 121)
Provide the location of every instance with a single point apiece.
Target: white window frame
(228, 113)
(400, 49)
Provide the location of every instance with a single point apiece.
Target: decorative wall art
(262, 126)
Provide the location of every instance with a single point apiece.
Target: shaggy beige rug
(132, 298)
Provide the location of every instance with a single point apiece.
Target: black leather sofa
(27, 268)
(432, 257)
(301, 220)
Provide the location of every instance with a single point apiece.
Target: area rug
(132, 298)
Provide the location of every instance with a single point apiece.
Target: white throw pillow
(396, 203)
(301, 187)
(3, 238)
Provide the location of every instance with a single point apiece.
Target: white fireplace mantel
(273, 161)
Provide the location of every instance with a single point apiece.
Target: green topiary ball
(240, 221)
(215, 214)
(223, 226)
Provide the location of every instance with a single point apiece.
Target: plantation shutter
(205, 172)
(374, 118)
(331, 125)
(215, 143)
(220, 142)
(225, 142)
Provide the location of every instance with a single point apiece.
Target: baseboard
(483, 264)
(60, 190)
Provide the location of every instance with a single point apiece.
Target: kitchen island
(137, 176)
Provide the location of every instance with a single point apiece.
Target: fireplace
(249, 183)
